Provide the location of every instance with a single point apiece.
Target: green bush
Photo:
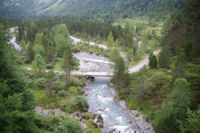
(69, 126)
(48, 122)
(91, 127)
(59, 85)
(77, 82)
(58, 124)
(81, 103)
(86, 116)
(73, 90)
(49, 66)
(132, 104)
(40, 83)
(69, 107)
(62, 93)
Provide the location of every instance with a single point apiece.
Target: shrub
(69, 107)
(62, 93)
(40, 83)
(49, 66)
(48, 122)
(59, 85)
(86, 116)
(69, 126)
(132, 104)
(77, 82)
(72, 90)
(58, 124)
(81, 103)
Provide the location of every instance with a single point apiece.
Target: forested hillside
(106, 9)
(168, 90)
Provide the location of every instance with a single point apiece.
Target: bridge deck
(98, 74)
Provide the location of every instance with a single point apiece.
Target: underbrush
(147, 91)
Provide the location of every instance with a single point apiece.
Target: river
(12, 40)
(101, 99)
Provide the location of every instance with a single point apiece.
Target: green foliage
(59, 124)
(69, 126)
(81, 103)
(61, 44)
(121, 76)
(92, 8)
(69, 64)
(38, 66)
(39, 49)
(69, 107)
(50, 83)
(61, 29)
(86, 116)
(110, 40)
(39, 38)
(174, 108)
(164, 58)
(130, 55)
(29, 52)
(38, 83)
(152, 61)
(61, 38)
(16, 114)
(72, 90)
(114, 54)
(192, 122)
(91, 127)
(132, 104)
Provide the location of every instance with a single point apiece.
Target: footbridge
(93, 74)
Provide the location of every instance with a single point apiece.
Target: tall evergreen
(68, 64)
(164, 58)
(121, 77)
(152, 61)
(16, 102)
(110, 40)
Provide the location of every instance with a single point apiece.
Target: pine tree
(16, 102)
(21, 32)
(68, 65)
(38, 66)
(174, 108)
(114, 54)
(121, 76)
(152, 61)
(50, 83)
(110, 40)
(164, 58)
(29, 52)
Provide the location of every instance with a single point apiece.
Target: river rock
(45, 112)
(98, 121)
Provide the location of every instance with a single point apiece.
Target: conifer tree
(164, 58)
(121, 76)
(68, 64)
(152, 61)
(110, 40)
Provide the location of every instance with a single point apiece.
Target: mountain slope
(90, 8)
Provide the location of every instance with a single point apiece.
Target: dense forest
(168, 92)
(37, 77)
(96, 9)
